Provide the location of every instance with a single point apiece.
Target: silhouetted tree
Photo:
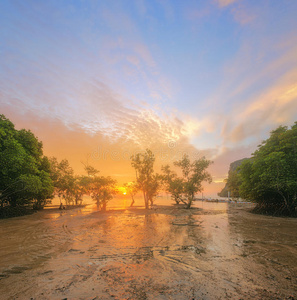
(131, 189)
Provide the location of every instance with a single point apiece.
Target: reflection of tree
(149, 223)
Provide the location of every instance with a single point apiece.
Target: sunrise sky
(101, 80)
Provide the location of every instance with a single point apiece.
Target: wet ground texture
(213, 251)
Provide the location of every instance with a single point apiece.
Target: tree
(172, 184)
(153, 188)
(69, 186)
(80, 188)
(102, 189)
(147, 181)
(270, 177)
(131, 189)
(24, 172)
(90, 170)
(63, 178)
(194, 173)
(233, 182)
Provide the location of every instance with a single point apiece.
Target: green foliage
(173, 184)
(24, 173)
(194, 173)
(91, 171)
(69, 187)
(270, 176)
(147, 181)
(102, 189)
(63, 178)
(79, 188)
(233, 183)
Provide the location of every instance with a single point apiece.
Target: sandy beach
(213, 251)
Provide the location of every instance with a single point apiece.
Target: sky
(98, 81)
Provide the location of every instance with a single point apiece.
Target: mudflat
(213, 251)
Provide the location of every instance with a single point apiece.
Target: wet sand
(213, 251)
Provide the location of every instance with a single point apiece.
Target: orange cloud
(109, 143)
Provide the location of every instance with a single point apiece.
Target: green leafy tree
(80, 188)
(102, 189)
(64, 180)
(153, 188)
(173, 184)
(194, 173)
(24, 173)
(270, 177)
(70, 187)
(147, 181)
(233, 182)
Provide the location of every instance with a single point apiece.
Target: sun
(122, 190)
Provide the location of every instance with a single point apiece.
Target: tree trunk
(146, 204)
(151, 201)
(190, 200)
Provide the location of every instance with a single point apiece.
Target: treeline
(182, 188)
(269, 177)
(71, 188)
(29, 180)
(25, 172)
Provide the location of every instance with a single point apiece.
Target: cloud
(276, 106)
(224, 3)
(275, 103)
(243, 15)
(258, 91)
(97, 76)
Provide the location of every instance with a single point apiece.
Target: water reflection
(223, 206)
(164, 244)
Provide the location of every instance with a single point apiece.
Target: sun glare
(122, 190)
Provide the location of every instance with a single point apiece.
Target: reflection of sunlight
(134, 231)
(223, 206)
(54, 216)
(119, 202)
